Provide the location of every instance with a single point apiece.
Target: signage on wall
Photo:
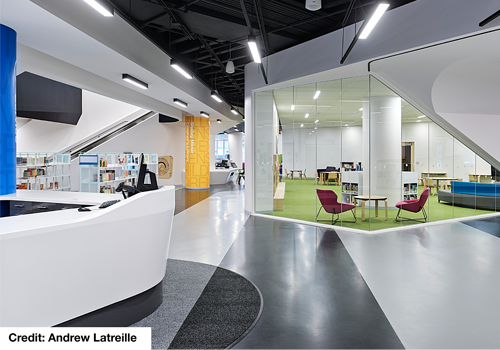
(197, 152)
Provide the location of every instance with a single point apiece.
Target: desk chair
(288, 176)
(316, 178)
(304, 174)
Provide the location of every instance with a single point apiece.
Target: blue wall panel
(7, 110)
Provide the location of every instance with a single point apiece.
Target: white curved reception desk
(60, 265)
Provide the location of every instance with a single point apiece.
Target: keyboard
(108, 203)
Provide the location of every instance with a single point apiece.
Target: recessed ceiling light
(235, 129)
(373, 20)
(313, 131)
(346, 125)
(293, 107)
(307, 115)
(233, 110)
(361, 109)
(175, 64)
(317, 120)
(418, 121)
(205, 114)
(104, 8)
(180, 102)
(215, 96)
(316, 95)
(301, 125)
(422, 116)
(134, 81)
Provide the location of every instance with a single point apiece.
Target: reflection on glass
(369, 149)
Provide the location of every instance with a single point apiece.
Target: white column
(235, 148)
(385, 148)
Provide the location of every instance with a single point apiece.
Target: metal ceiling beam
(247, 18)
(315, 18)
(348, 13)
(249, 25)
(489, 19)
(219, 62)
(260, 20)
(238, 11)
(154, 18)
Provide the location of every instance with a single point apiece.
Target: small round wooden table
(372, 198)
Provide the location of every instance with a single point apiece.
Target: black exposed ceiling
(203, 34)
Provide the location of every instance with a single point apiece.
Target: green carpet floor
(301, 203)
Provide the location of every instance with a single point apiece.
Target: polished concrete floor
(430, 287)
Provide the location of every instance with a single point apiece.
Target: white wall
(98, 113)
(150, 136)
(235, 144)
(436, 150)
(304, 150)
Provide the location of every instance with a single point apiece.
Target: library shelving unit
(410, 185)
(348, 166)
(43, 171)
(351, 183)
(103, 172)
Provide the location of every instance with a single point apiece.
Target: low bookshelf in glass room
(103, 172)
(43, 171)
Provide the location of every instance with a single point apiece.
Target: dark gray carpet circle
(226, 310)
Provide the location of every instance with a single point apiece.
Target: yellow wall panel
(197, 152)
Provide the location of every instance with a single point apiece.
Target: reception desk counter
(60, 265)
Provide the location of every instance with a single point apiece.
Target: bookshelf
(410, 185)
(348, 166)
(103, 172)
(352, 181)
(43, 171)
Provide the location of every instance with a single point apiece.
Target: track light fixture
(103, 7)
(180, 102)
(234, 111)
(134, 81)
(215, 96)
(219, 121)
(205, 114)
(381, 8)
(175, 64)
(252, 44)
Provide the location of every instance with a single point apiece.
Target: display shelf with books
(351, 183)
(43, 171)
(103, 172)
(410, 185)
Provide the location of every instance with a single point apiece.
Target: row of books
(410, 188)
(348, 187)
(37, 186)
(106, 189)
(107, 176)
(34, 160)
(410, 196)
(33, 172)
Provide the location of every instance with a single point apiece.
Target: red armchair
(414, 205)
(329, 202)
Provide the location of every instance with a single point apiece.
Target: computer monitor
(142, 184)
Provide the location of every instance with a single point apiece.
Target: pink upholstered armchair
(329, 202)
(414, 205)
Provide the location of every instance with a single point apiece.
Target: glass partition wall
(353, 153)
